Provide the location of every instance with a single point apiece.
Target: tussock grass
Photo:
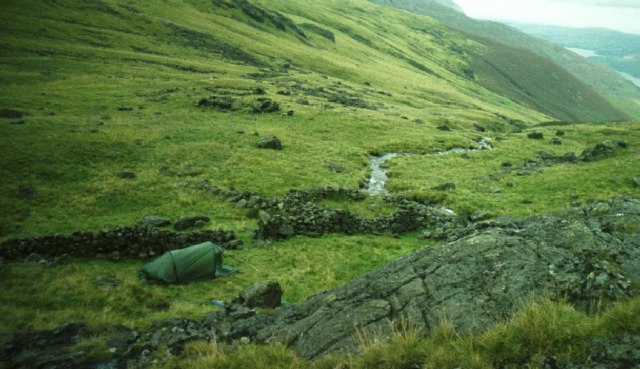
(541, 329)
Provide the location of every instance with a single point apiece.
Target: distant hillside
(619, 92)
(618, 50)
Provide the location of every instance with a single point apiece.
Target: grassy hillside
(620, 94)
(102, 123)
(620, 51)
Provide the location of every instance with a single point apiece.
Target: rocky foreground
(588, 256)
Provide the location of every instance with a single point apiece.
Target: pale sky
(620, 15)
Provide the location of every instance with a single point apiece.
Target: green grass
(40, 297)
(83, 60)
(482, 184)
(541, 329)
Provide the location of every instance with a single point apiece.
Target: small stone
(263, 294)
(507, 164)
(303, 102)
(125, 108)
(264, 217)
(270, 142)
(444, 128)
(289, 113)
(27, 191)
(154, 221)
(11, 114)
(527, 201)
(556, 141)
(125, 174)
(535, 136)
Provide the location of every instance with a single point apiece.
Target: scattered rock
(303, 102)
(622, 144)
(284, 93)
(559, 133)
(189, 222)
(11, 114)
(125, 174)
(259, 91)
(445, 187)
(263, 294)
(220, 103)
(555, 141)
(154, 221)
(636, 182)
(535, 135)
(507, 164)
(289, 113)
(27, 191)
(269, 142)
(444, 128)
(125, 108)
(418, 121)
(527, 201)
(600, 151)
(265, 105)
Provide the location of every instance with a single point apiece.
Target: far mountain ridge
(618, 91)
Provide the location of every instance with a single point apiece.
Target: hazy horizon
(619, 15)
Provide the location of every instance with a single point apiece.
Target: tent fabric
(197, 262)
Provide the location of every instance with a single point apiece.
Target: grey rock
(189, 222)
(263, 294)
(474, 282)
(155, 221)
(600, 151)
(265, 105)
(270, 142)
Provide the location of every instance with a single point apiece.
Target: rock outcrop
(474, 282)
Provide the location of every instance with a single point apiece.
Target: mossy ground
(74, 70)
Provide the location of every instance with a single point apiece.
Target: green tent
(201, 261)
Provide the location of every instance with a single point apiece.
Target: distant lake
(583, 52)
(631, 78)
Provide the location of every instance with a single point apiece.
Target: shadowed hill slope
(619, 97)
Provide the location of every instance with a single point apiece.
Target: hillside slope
(618, 50)
(619, 93)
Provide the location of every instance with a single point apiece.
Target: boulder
(265, 105)
(473, 282)
(189, 222)
(154, 221)
(216, 102)
(600, 151)
(269, 142)
(263, 294)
